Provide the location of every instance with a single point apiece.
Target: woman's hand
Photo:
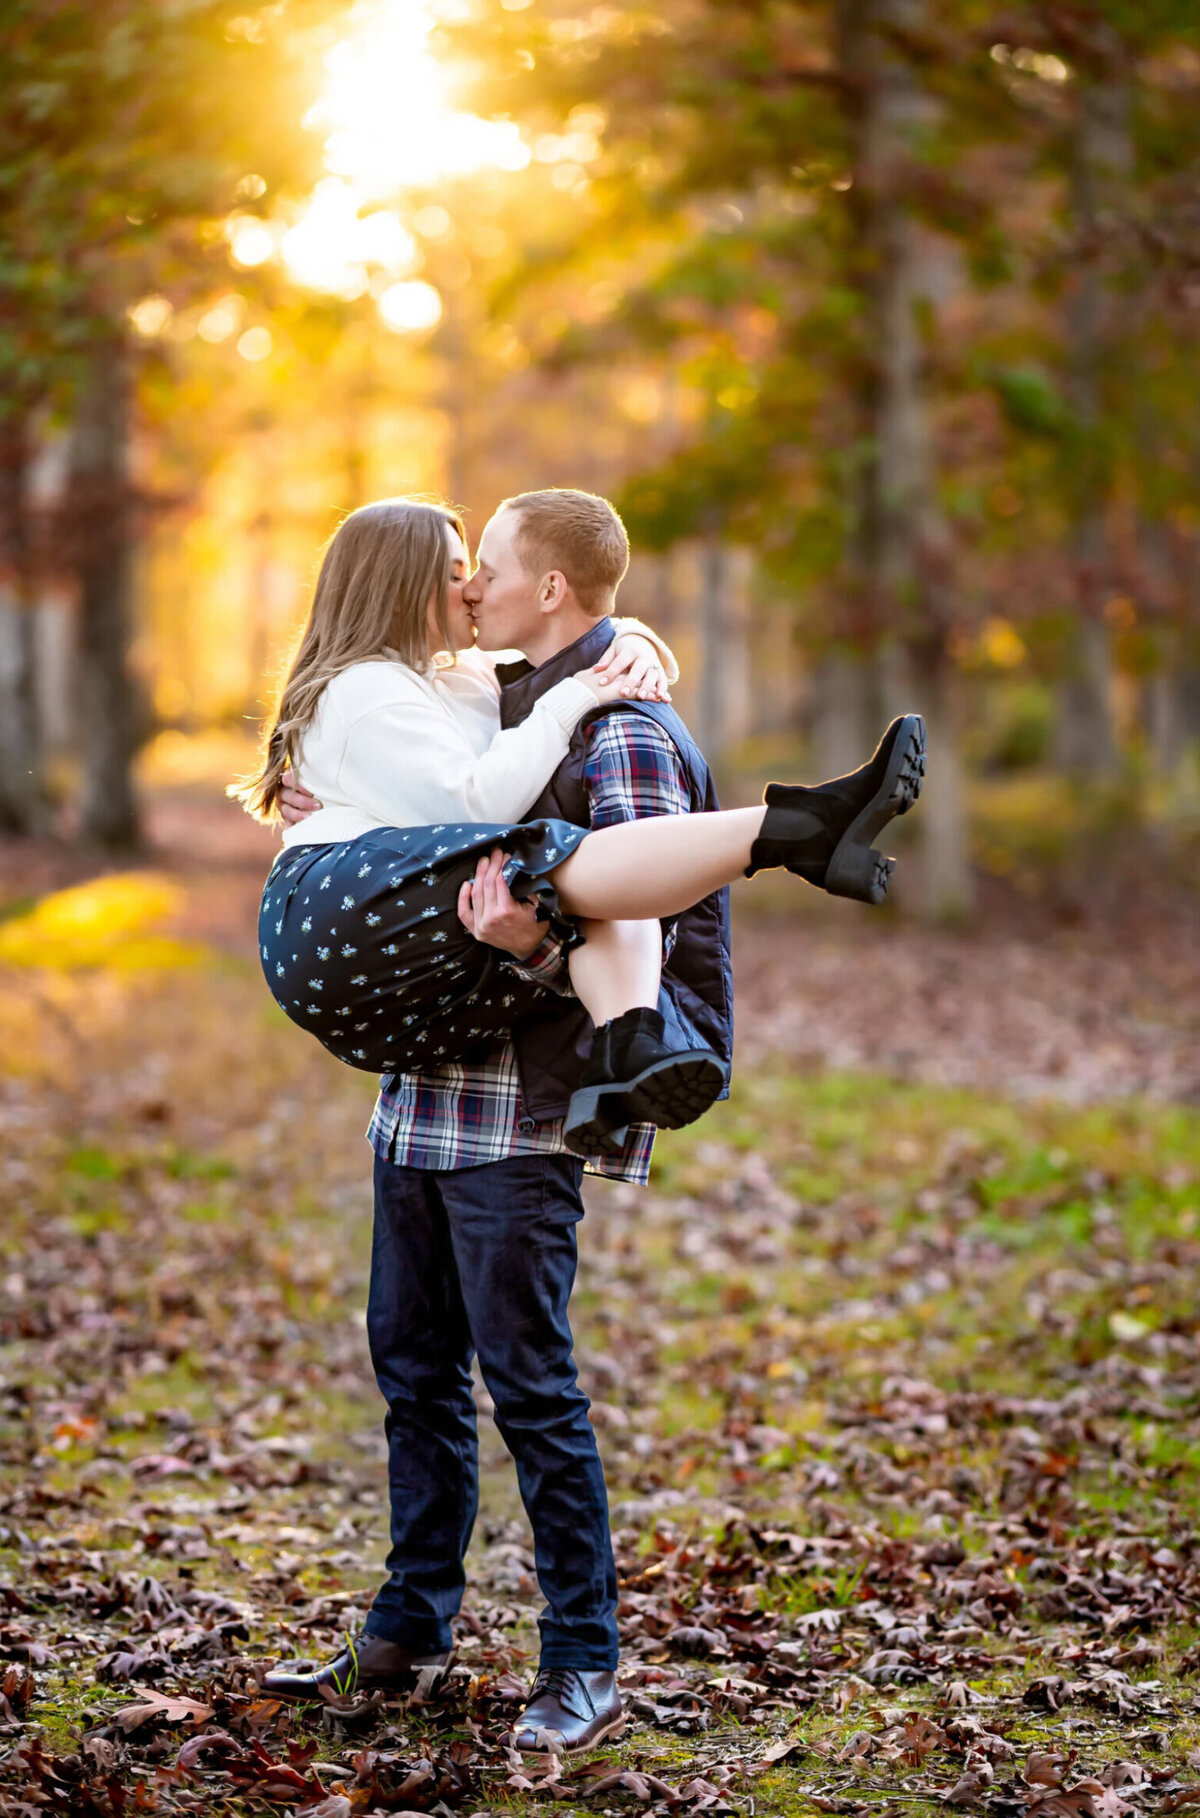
(630, 670)
(295, 803)
(488, 910)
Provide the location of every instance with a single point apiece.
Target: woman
(397, 735)
(359, 933)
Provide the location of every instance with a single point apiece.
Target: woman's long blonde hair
(381, 568)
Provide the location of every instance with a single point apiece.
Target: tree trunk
(947, 885)
(23, 807)
(1162, 718)
(22, 804)
(843, 712)
(1102, 160)
(899, 559)
(1158, 612)
(711, 625)
(1086, 740)
(110, 708)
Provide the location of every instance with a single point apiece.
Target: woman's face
(458, 619)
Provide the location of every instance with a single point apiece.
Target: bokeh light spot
(256, 344)
(411, 307)
(250, 241)
(151, 316)
(222, 319)
(433, 223)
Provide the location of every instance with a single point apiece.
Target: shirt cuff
(546, 965)
(568, 701)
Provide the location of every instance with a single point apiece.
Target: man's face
(501, 596)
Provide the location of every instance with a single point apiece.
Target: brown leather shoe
(583, 1708)
(369, 1664)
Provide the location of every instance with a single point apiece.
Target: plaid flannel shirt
(461, 1116)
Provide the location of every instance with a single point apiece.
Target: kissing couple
(503, 886)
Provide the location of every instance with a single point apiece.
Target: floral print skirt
(361, 943)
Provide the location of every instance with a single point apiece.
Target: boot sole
(399, 1688)
(399, 1685)
(612, 1732)
(669, 1094)
(856, 870)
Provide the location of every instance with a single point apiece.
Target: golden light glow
(256, 344)
(387, 112)
(151, 316)
(334, 248)
(221, 319)
(1002, 644)
(410, 308)
(390, 127)
(250, 241)
(110, 923)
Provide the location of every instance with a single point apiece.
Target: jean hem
(405, 1636)
(580, 1660)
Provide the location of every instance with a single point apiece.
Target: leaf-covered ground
(896, 1374)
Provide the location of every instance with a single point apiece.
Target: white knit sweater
(392, 746)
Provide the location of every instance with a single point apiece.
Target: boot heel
(597, 1119)
(860, 873)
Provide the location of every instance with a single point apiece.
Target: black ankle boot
(825, 833)
(633, 1077)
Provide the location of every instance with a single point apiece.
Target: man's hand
(295, 803)
(488, 910)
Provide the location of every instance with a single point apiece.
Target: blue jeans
(482, 1260)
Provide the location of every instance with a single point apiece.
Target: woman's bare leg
(617, 969)
(644, 870)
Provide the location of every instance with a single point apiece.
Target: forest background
(878, 319)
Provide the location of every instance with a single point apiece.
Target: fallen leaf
(171, 1706)
(1045, 1770)
(967, 1791)
(783, 1750)
(1124, 1773)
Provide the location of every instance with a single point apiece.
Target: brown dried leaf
(1046, 1770)
(967, 1791)
(1123, 1773)
(172, 1707)
(782, 1750)
(1087, 1799)
(195, 1746)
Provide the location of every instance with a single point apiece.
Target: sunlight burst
(387, 112)
(390, 127)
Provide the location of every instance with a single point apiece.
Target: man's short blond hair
(577, 533)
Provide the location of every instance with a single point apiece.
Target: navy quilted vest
(696, 999)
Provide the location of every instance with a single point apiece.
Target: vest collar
(522, 686)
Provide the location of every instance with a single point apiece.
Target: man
(477, 1196)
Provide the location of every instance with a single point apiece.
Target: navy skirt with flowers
(361, 943)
